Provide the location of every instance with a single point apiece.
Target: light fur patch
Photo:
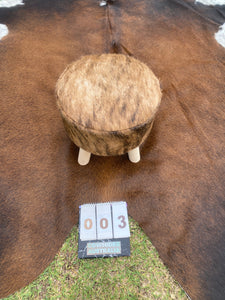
(211, 2)
(7, 3)
(220, 35)
(10, 3)
(3, 31)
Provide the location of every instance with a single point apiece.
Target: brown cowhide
(176, 192)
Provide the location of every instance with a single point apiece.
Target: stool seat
(108, 102)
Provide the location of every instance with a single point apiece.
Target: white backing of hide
(220, 35)
(7, 3)
(3, 30)
(211, 2)
(10, 3)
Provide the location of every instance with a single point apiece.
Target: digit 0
(104, 223)
(88, 224)
(123, 223)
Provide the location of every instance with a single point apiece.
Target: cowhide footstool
(108, 103)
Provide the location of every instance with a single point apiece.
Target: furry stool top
(108, 103)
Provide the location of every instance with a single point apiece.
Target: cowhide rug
(176, 192)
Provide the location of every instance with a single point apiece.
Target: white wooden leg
(134, 155)
(83, 157)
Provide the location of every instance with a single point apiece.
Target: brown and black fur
(107, 143)
(108, 102)
(176, 192)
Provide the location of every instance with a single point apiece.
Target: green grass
(140, 276)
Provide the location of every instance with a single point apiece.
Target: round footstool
(108, 103)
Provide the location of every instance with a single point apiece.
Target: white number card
(104, 230)
(120, 220)
(104, 221)
(88, 222)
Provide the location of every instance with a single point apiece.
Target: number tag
(104, 230)
(120, 220)
(104, 221)
(87, 218)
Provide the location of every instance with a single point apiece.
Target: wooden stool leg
(83, 157)
(134, 155)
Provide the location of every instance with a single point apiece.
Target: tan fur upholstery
(108, 102)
